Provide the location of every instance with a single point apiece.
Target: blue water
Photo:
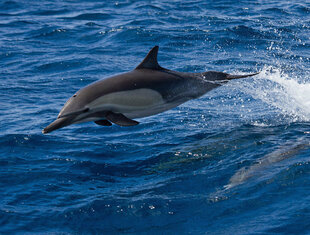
(235, 161)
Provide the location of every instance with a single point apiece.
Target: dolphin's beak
(58, 123)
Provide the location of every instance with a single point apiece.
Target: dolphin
(285, 151)
(147, 90)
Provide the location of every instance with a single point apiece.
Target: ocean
(235, 161)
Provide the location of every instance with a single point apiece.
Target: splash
(290, 95)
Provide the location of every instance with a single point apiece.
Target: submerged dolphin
(147, 90)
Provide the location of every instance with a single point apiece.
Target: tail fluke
(230, 77)
(220, 78)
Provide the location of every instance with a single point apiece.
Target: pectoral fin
(120, 119)
(103, 123)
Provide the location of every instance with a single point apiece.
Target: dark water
(235, 161)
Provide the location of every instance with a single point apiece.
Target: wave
(89, 16)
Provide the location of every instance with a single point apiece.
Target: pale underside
(133, 104)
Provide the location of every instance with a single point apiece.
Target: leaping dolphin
(147, 90)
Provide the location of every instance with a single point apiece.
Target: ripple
(303, 9)
(90, 16)
(59, 33)
(17, 23)
(275, 10)
(242, 30)
(49, 12)
(9, 5)
(60, 66)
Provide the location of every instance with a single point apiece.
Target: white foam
(287, 94)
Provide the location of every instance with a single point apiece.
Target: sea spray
(277, 89)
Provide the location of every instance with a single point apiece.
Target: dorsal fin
(150, 61)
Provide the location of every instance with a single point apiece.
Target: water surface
(235, 161)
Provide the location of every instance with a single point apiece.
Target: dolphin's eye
(74, 95)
